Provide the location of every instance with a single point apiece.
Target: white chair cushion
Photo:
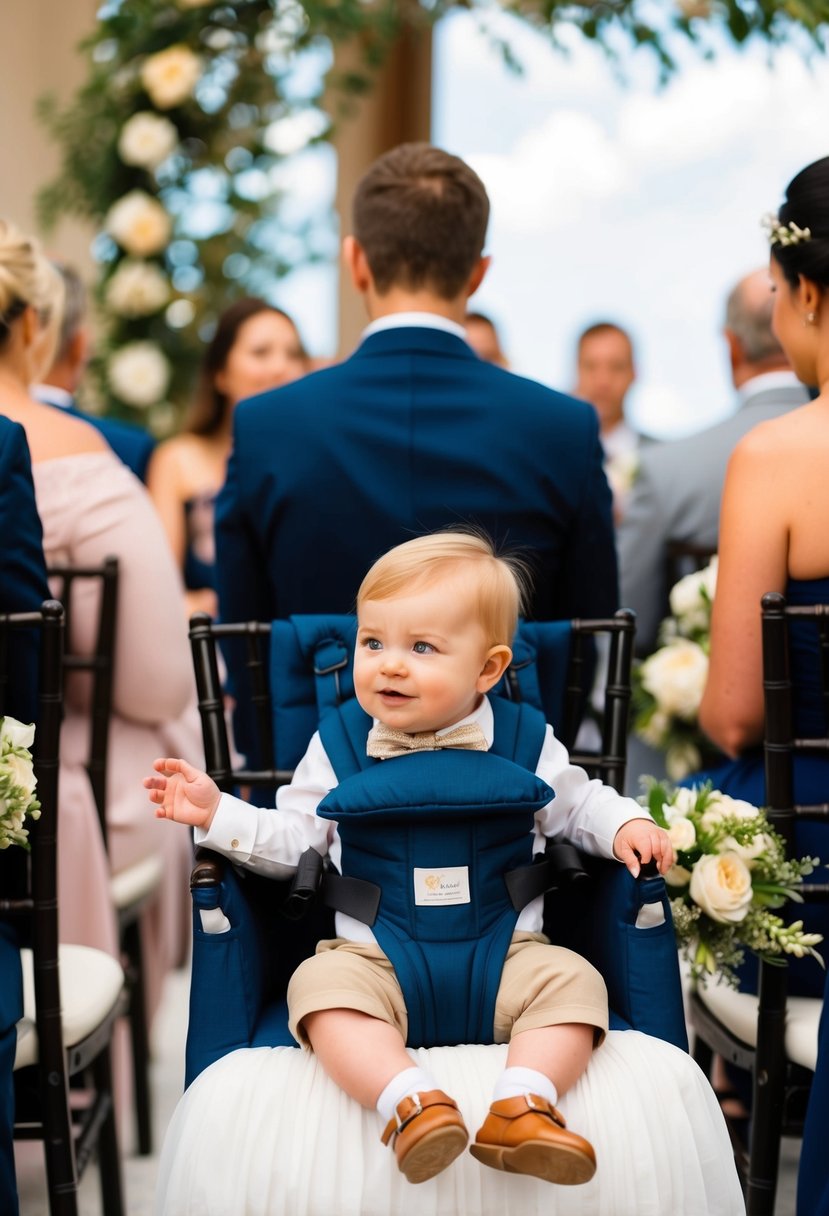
(738, 1011)
(130, 886)
(90, 984)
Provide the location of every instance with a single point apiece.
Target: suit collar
(774, 388)
(414, 338)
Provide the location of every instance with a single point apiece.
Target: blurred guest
(62, 380)
(255, 347)
(605, 372)
(482, 335)
(678, 485)
(92, 506)
(23, 588)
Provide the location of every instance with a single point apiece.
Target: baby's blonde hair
(501, 580)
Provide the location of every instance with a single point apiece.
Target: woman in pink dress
(91, 507)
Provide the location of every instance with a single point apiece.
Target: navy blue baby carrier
(437, 857)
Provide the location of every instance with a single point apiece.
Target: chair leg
(139, 1037)
(109, 1160)
(768, 1094)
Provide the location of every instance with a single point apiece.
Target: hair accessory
(784, 234)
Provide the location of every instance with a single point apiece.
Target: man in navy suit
(413, 432)
(130, 444)
(23, 588)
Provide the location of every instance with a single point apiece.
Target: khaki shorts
(541, 985)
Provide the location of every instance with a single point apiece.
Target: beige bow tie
(385, 741)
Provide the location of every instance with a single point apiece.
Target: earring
(810, 318)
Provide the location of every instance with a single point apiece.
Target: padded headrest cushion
(435, 784)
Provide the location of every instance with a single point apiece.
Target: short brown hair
(420, 216)
(501, 581)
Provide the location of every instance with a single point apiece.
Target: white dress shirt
(585, 812)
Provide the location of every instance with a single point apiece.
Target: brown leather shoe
(527, 1135)
(428, 1132)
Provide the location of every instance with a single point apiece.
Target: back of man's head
(420, 216)
(753, 347)
(70, 357)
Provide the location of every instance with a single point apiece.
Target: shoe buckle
(417, 1109)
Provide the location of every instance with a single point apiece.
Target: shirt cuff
(232, 831)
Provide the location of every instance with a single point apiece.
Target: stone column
(397, 110)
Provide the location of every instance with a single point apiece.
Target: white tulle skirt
(264, 1132)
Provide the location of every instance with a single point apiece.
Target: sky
(629, 201)
(610, 200)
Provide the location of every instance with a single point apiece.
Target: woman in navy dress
(773, 537)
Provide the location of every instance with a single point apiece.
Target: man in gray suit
(678, 486)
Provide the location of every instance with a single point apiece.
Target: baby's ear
(498, 659)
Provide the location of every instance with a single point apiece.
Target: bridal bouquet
(17, 782)
(668, 685)
(730, 871)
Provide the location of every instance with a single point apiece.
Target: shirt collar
(50, 394)
(766, 382)
(418, 320)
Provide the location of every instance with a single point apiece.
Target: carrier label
(448, 885)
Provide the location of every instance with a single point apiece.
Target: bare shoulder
(187, 461)
(52, 433)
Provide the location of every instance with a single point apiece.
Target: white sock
(515, 1082)
(409, 1081)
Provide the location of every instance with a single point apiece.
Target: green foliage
(263, 66)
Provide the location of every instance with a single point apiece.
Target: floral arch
(174, 148)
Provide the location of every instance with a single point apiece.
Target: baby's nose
(393, 661)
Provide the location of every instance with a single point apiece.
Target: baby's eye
(423, 648)
(372, 644)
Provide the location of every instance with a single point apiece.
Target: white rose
(682, 833)
(749, 852)
(675, 676)
(137, 289)
(17, 734)
(139, 223)
(22, 773)
(655, 729)
(682, 759)
(170, 76)
(721, 806)
(685, 800)
(678, 876)
(721, 886)
(146, 140)
(139, 374)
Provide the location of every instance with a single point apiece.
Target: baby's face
(420, 657)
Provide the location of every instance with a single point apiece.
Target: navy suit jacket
(130, 444)
(410, 434)
(23, 588)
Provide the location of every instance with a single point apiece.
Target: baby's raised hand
(183, 793)
(645, 838)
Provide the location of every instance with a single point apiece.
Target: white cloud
(553, 171)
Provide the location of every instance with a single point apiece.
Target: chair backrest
(780, 744)
(685, 557)
(33, 904)
(299, 668)
(99, 663)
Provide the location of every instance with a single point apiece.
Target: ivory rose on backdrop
(139, 374)
(139, 223)
(137, 289)
(170, 76)
(146, 140)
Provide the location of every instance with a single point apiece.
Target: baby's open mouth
(394, 694)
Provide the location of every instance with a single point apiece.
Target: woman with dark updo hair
(774, 537)
(256, 347)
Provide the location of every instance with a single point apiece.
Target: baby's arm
(183, 793)
(594, 816)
